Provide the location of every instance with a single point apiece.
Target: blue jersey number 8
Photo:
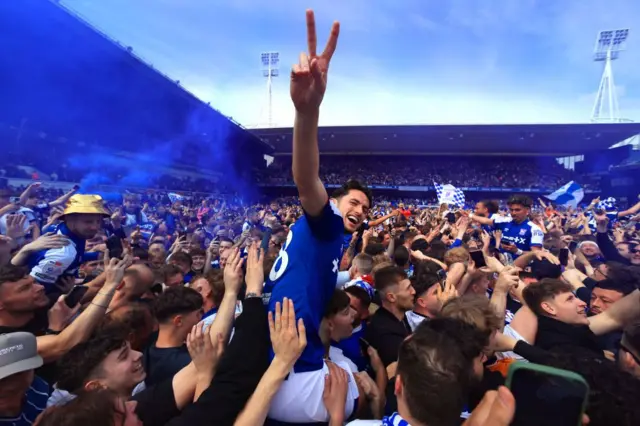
(281, 263)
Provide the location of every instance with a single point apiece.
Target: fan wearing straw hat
(82, 219)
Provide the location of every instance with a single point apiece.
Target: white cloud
(347, 103)
(464, 81)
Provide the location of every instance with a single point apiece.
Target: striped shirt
(35, 402)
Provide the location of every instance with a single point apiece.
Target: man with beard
(82, 219)
(562, 317)
(306, 269)
(388, 326)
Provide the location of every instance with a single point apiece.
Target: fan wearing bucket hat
(82, 219)
(23, 394)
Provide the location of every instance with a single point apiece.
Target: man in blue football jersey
(82, 219)
(307, 266)
(519, 234)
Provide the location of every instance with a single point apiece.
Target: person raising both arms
(307, 266)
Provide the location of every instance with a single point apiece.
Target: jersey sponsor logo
(523, 232)
(53, 268)
(44, 277)
(515, 240)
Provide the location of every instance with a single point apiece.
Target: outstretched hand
(497, 408)
(449, 292)
(334, 396)
(288, 336)
(233, 272)
(48, 241)
(15, 226)
(205, 353)
(309, 75)
(255, 269)
(114, 268)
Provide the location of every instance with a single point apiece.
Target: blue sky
(397, 62)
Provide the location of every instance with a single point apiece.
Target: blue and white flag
(175, 197)
(449, 194)
(607, 205)
(569, 195)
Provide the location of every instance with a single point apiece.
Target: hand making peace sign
(309, 76)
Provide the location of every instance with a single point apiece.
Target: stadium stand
(183, 282)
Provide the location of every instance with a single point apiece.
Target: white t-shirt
(509, 331)
(414, 319)
(299, 399)
(336, 355)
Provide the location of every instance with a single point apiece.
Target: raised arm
(508, 278)
(380, 220)
(27, 192)
(633, 210)
(223, 321)
(481, 219)
(63, 199)
(45, 242)
(542, 203)
(52, 347)
(308, 85)
(288, 338)
(619, 315)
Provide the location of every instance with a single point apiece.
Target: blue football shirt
(305, 272)
(524, 235)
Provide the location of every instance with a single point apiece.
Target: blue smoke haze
(68, 81)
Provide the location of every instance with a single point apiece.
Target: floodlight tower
(270, 63)
(609, 44)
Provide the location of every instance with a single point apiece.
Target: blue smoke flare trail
(205, 146)
(73, 84)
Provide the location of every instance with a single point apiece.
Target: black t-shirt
(163, 363)
(555, 335)
(386, 333)
(36, 326)
(156, 404)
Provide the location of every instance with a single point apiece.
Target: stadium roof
(65, 78)
(519, 139)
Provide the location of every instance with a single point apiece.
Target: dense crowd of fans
(325, 309)
(487, 172)
(131, 345)
(113, 176)
(484, 172)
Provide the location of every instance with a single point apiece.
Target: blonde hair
(380, 259)
(456, 255)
